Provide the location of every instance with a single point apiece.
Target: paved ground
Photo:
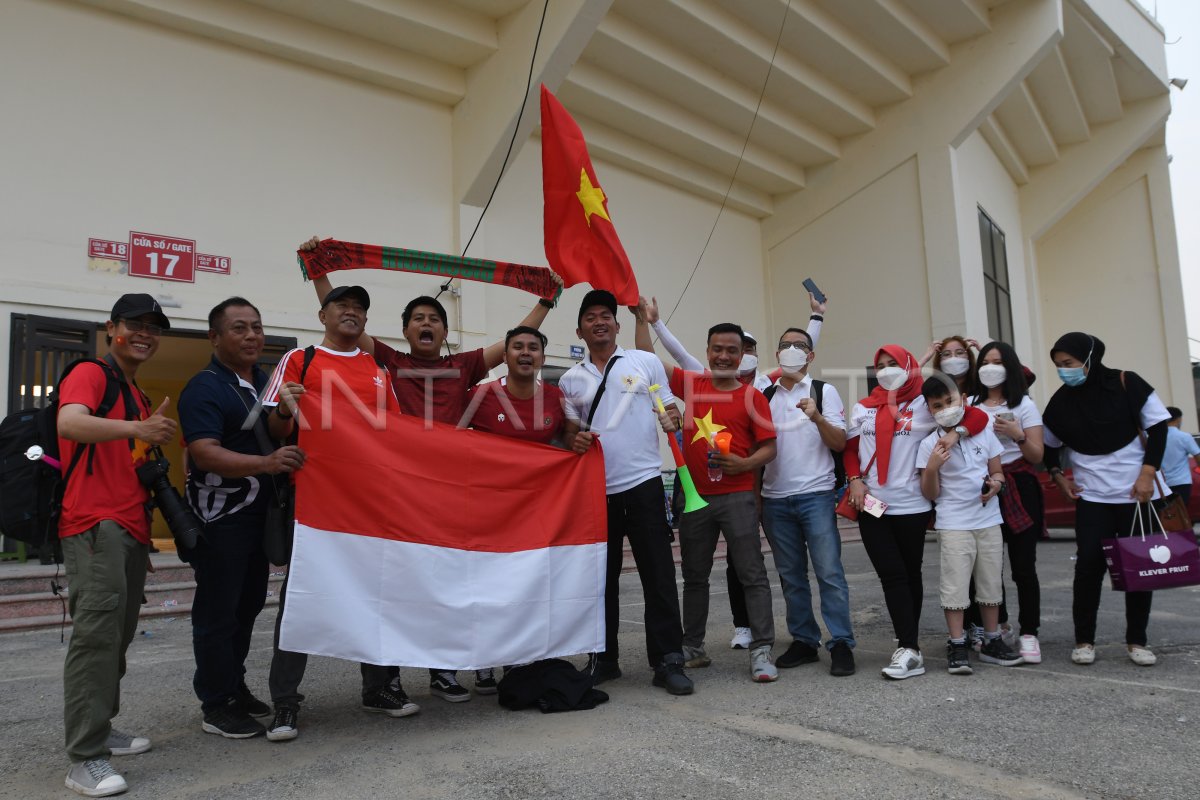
(1055, 730)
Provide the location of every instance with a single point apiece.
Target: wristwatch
(961, 430)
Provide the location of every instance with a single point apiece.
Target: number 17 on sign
(165, 258)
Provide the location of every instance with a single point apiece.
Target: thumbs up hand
(157, 428)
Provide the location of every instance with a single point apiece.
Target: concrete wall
(136, 127)
(1100, 272)
(867, 254)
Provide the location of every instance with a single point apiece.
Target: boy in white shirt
(963, 481)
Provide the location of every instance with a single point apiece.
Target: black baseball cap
(338, 292)
(597, 297)
(133, 306)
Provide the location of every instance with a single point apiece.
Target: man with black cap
(608, 398)
(336, 361)
(105, 532)
(230, 483)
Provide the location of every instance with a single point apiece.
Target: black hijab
(1099, 416)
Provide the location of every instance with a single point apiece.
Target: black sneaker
(485, 681)
(445, 685)
(670, 676)
(957, 662)
(231, 721)
(798, 653)
(602, 670)
(284, 727)
(841, 659)
(251, 704)
(390, 700)
(995, 651)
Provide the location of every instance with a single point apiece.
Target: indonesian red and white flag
(443, 548)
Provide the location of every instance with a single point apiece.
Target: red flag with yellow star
(581, 242)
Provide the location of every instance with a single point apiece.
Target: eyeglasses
(137, 326)
(801, 346)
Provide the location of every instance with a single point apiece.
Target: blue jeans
(800, 527)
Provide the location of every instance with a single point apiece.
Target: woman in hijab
(884, 431)
(1098, 415)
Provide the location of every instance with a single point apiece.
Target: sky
(1181, 21)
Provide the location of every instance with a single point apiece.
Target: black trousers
(1184, 491)
(287, 669)
(1095, 522)
(895, 544)
(1022, 558)
(231, 589)
(638, 514)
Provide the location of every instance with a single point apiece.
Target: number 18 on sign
(163, 257)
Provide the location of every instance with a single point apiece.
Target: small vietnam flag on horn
(581, 242)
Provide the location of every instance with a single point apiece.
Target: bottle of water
(715, 473)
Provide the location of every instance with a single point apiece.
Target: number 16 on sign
(163, 257)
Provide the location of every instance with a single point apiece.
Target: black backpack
(31, 491)
(817, 393)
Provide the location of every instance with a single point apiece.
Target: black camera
(183, 524)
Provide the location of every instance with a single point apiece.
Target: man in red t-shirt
(105, 532)
(717, 403)
(434, 387)
(519, 405)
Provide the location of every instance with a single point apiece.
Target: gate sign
(163, 257)
(208, 263)
(103, 248)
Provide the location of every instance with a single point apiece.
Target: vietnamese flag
(442, 548)
(581, 242)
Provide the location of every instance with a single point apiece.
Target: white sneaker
(1084, 654)
(761, 668)
(1030, 650)
(1142, 656)
(123, 744)
(95, 778)
(906, 663)
(741, 639)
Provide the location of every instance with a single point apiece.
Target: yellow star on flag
(591, 197)
(705, 427)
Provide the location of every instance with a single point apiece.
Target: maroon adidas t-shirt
(539, 418)
(436, 385)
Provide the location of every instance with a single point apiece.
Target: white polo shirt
(1108, 478)
(903, 490)
(626, 421)
(1026, 415)
(803, 464)
(961, 478)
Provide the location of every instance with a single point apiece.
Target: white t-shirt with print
(961, 481)
(802, 464)
(903, 490)
(626, 421)
(1026, 415)
(1108, 478)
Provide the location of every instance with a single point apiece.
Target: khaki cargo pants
(106, 574)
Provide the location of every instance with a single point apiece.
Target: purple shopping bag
(1144, 562)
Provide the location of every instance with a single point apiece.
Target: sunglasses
(137, 326)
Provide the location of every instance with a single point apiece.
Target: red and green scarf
(332, 255)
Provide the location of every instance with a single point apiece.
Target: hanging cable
(741, 155)
(511, 142)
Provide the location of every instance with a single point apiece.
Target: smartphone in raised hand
(812, 287)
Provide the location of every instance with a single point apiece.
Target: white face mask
(792, 361)
(949, 417)
(891, 378)
(749, 363)
(955, 366)
(992, 375)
